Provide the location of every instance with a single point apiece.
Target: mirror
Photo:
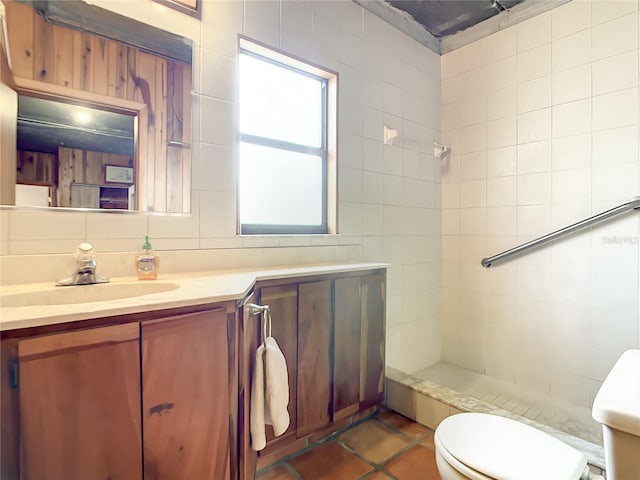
(103, 115)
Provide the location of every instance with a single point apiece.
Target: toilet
(480, 446)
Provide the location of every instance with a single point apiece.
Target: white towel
(269, 393)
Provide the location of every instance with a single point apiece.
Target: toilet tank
(617, 408)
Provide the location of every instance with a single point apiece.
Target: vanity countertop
(188, 289)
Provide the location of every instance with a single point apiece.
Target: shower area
(542, 122)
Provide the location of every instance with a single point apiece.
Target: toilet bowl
(480, 446)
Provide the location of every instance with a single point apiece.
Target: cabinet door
(283, 303)
(185, 397)
(347, 351)
(314, 362)
(372, 304)
(80, 405)
(359, 328)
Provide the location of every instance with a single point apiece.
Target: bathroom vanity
(158, 385)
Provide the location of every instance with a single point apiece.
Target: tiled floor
(387, 446)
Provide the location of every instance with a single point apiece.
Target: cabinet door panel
(80, 405)
(347, 351)
(185, 397)
(283, 303)
(314, 364)
(373, 333)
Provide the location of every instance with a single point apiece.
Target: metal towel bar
(633, 204)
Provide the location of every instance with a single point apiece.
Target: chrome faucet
(84, 272)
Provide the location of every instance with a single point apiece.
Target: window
(287, 144)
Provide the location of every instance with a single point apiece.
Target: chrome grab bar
(633, 204)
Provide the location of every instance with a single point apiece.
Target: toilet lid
(504, 449)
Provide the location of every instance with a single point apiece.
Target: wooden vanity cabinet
(152, 399)
(331, 332)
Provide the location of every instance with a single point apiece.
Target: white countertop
(190, 289)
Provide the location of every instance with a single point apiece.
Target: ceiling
(447, 17)
(446, 25)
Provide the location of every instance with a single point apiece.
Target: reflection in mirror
(68, 150)
(135, 155)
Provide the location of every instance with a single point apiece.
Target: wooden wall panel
(56, 55)
(84, 167)
(314, 363)
(21, 38)
(37, 168)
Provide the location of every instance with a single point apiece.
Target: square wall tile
(218, 122)
(502, 103)
(571, 51)
(501, 44)
(615, 36)
(571, 152)
(615, 146)
(262, 21)
(615, 73)
(605, 11)
(570, 18)
(534, 126)
(534, 157)
(502, 161)
(101, 226)
(571, 118)
(571, 84)
(534, 94)
(25, 225)
(534, 32)
(616, 109)
(501, 132)
(534, 63)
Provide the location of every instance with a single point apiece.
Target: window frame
(326, 151)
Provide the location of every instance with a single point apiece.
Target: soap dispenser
(147, 263)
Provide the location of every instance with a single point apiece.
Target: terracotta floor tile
(279, 473)
(428, 441)
(417, 463)
(376, 476)
(404, 424)
(374, 441)
(331, 462)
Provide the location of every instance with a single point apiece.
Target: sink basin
(84, 294)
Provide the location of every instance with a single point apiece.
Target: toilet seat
(488, 447)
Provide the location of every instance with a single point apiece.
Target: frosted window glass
(279, 187)
(279, 103)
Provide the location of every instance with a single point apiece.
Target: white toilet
(478, 446)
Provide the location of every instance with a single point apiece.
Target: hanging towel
(270, 389)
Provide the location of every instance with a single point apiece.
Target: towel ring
(265, 311)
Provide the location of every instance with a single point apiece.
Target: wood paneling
(8, 129)
(347, 318)
(82, 62)
(80, 405)
(185, 397)
(314, 350)
(283, 303)
(84, 167)
(372, 340)
(37, 168)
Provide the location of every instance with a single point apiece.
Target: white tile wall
(555, 320)
(389, 195)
